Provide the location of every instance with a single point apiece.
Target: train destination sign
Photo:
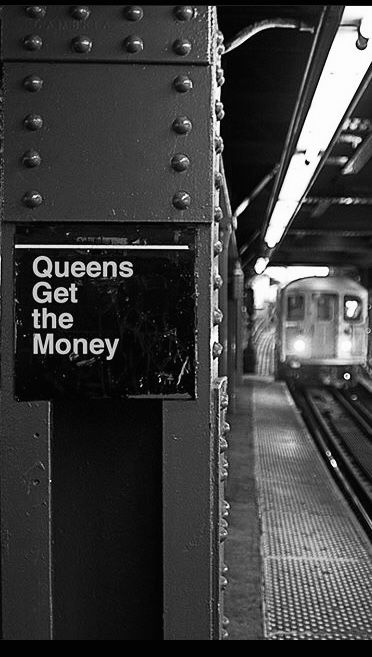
(105, 320)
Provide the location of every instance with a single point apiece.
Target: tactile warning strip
(317, 572)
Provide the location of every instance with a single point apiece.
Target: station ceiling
(263, 82)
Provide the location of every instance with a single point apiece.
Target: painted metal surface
(25, 460)
(156, 33)
(114, 138)
(111, 150)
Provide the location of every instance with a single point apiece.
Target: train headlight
(299, 346)
(346, 346)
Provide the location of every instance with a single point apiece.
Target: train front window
(325, 306)
(296, 308)
(352, 309)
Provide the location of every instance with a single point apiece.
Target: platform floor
(300, 564)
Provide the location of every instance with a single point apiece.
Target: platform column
(108, 502)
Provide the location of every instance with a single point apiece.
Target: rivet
(183, 84)
(220, 38)
(225, 635)
(224, 401)
(224, 534)
(184, 13)
(224, 477)
(219, 145)
(32, 199)
(182, 125)
(220, 77)
(33, 42)
(225, 622)
(226, 428)
(36, 11)
(82, 45)
(225, 570)
(223, 583)
(218, 282)
(180, 162)
(226, 509)
(33, 83)
(218, 214)
(217, 350)
(217, 317)
(220, 113)
(31, 159)
(218, 248)
(220, 50)
(33, 122)
(133, 13)
(225, 465)
(133, 44)
(80, 12)
(182, 47)
(224, 445)
(182, 200)
(218, 180)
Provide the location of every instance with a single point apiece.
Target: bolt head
(133, 13)
(220, 77)
(226, 510)
(183, 84)
(217, 317)
(182, 125)
(220, 38)
(133, 44)
(36, 11)
(219, 145)
(223, 532)
(82, 45)
(217, 350)
(31, 159)
(225, 402)
(32, 200)
(218, 248)
(182, 200)
(33, 122)
(182, 47)
(80, 12)
(218, 282)
(218, 214)
(184, 13)
(224, 445)
(220, 113)
(180, 162)
(218, 180)
(33, 83)
(32, 42)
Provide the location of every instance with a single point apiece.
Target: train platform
(300, 563)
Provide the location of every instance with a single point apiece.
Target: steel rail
(346, 473)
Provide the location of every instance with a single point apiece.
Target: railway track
(341, 423)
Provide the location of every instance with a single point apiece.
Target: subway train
(322, 331)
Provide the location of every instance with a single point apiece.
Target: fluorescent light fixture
(261, 265)
(341, 77)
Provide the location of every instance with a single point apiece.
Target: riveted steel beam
(112, 120)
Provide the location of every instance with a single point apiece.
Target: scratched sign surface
(105, 314)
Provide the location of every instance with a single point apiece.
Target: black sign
(102, 316)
